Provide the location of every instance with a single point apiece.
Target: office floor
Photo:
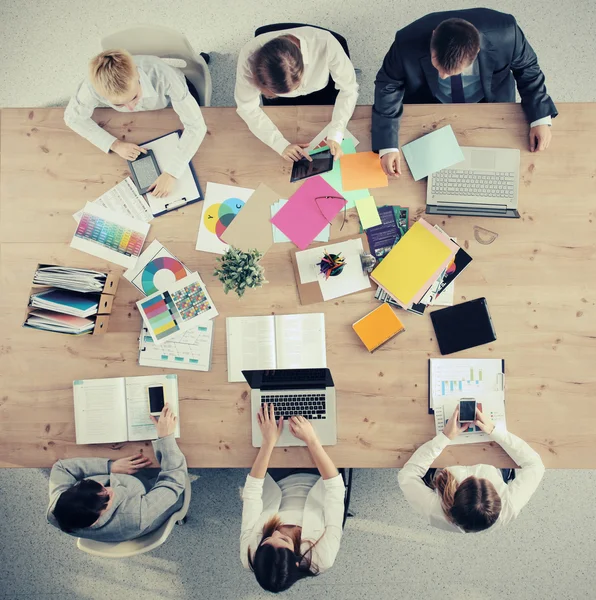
(387, 551)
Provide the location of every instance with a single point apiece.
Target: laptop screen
(288, 379)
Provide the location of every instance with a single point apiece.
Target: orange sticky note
(362, 170)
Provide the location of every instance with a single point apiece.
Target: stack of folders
(69, 278)
(414, 265)
(63, 311)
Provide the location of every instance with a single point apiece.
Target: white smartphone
(467, 410)
(156, 399)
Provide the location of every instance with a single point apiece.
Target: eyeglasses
(332, 198)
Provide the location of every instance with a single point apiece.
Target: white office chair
(166, 43)
(140, 545)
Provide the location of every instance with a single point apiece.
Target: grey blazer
(134, 511)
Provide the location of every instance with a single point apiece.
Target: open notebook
(275, 342)
(117, 409)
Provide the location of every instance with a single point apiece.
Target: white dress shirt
(473, 92)
(322, 516)
(514, 496)
(161, 85)
(322, 55)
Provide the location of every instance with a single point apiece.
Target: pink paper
(302, 218)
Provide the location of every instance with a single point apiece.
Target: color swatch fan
(156, 270)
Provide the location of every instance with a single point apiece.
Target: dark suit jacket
(407, 74)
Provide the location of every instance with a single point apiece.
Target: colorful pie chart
(160, 273)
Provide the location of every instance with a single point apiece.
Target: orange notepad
(362, 170)
(378, 326)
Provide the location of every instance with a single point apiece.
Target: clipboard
(431, 410)
(310, 293)
(192, 191)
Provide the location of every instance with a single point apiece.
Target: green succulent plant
(240, 270)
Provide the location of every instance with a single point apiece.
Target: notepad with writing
(275, 342)
(378, 327)
(117, 409)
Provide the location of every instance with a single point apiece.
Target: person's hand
(335, 149)
(270, 430)
(483, 422)
(163, 185)
(391, 164)
(453, 428)
(302, 429)
(127, 150)
(166, 425)
(130, 464)
(295, 152)
(540, 137)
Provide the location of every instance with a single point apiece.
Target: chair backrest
(165, 43)
(281, 26)
(142, 544)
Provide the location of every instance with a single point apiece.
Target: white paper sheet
(100, 411)
(300, 341)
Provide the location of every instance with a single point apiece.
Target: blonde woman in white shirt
(470, 499)
(290, 63)
(129, 83)
(291, 528)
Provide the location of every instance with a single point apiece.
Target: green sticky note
(368, 213)
(333, 178)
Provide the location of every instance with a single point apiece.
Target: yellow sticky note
(368, 213)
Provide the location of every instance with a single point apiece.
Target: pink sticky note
(308, 211)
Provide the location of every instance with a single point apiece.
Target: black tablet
(463, 326)
(144, 171)
(322, 162)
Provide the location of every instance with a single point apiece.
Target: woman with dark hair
(290, 528)
(290, 63)
(470, 499)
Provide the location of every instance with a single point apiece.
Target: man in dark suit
(458, 56)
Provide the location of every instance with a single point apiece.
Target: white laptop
(485, 184)
(294, 392)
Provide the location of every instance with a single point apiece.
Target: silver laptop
(306, 392)
(485, 184)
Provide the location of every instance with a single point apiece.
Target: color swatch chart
(191, 301)
(110, 235)
(161, 314)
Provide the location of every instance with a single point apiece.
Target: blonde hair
(474, 504)
(112, 73)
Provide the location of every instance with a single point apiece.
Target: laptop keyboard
(309, 406)
(484, 184)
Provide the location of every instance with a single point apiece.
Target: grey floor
(387, 551)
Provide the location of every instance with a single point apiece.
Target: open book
(275, 342)
(117, 409)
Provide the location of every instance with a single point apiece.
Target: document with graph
(452, 379)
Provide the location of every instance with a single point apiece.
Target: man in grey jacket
(99, 499)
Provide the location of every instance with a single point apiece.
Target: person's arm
(388, 107)
(420, 497)
(344, 76)
(248, 101)
(77, 116)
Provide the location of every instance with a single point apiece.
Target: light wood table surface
(539, 277)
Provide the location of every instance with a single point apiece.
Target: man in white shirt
(505, 500)
(132, 84)
(473, 55)
(291, 63)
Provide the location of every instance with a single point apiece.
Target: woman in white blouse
(290, 63)
(470, 499)
(290, 529)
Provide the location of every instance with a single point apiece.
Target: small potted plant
(240, 270)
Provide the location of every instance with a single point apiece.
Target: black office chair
(347, 476)
(323, 97)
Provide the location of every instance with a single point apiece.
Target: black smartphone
(322, 162)
(156, 399)
(467, 410)
(144, 171)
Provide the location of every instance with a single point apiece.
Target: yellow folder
(378, 326)
(413, 262)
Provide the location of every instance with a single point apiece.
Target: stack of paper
(70, 278)
(68, 303)
(60, 323)
(414, 263)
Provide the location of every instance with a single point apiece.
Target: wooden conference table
(539, 278)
